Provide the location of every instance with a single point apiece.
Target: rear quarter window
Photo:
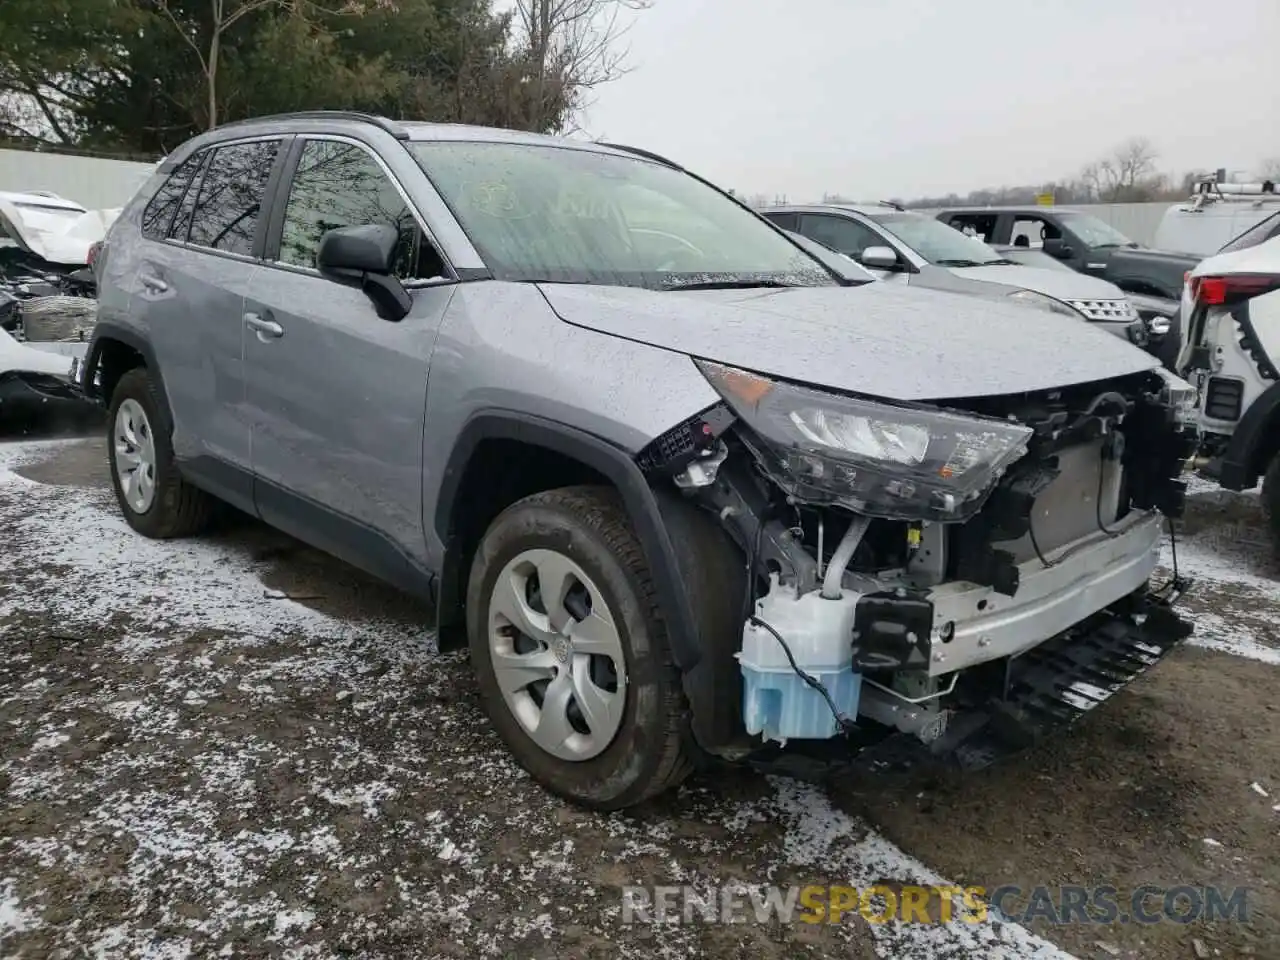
(158, 215)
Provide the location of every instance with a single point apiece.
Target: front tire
(153, 497)
(571, 654)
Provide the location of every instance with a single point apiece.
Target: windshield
(937, 242)
(563, 215)
(1253, 236)
(1095, 232)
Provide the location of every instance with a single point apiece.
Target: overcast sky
(878, 98)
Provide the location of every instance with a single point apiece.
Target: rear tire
(153, 497)
(628, 744)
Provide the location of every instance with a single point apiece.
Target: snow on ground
(207, 767)
(200, 766)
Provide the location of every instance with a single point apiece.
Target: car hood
(1058, 284)
(878, 339)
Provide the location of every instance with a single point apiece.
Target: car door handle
(264, 328)
(154, 284)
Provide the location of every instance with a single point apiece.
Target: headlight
(901, 463)
(1033, 299)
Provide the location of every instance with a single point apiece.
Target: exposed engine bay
(933, 569)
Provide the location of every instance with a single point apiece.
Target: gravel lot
(237, 747)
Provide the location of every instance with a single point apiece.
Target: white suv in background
(1231, 352)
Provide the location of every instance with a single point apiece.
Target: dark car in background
(1080, 240)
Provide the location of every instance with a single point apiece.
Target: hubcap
(557, 655)
(135, 456)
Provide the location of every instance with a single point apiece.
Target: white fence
(92, 182)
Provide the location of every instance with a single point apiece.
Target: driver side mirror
(879, 258)
(1059, 249)
(365, 256)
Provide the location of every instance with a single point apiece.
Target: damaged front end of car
(967, 577)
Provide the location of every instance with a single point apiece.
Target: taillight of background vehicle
(94, 250)
(1219, 291)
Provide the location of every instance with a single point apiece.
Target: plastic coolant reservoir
(776, 702)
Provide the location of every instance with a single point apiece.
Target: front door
(335, 394)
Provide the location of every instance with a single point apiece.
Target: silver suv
(685, 492)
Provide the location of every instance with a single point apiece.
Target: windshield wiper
(728, 284)
(959, 263)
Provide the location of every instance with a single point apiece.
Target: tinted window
(226, 212)
(341, 185)
(983, 225)
(840, 233)
(787, 221)
(159, 213)
(182, 222)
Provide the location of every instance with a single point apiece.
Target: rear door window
(226, 212)
(980, 225)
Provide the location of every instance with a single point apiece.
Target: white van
(1215, 214)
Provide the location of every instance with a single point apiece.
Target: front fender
(678, 551)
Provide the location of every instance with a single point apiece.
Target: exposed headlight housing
(1033, 299)
(895, 462)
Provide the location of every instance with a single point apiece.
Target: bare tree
(1125, 174)
(225, 14)
(1269, 169)
(573, 47)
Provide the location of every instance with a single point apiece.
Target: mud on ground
(195, 764)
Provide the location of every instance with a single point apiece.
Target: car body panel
(351, 443)
(994, 280)
(877, 339)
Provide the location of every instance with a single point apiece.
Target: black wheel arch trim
(107, 330)
(606, 459)
(1240, 469)
(646, 515)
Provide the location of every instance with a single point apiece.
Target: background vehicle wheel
(154, 499)
(1271, 501)
(571, 654)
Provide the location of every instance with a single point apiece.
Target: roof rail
(648, 155)
(390, 126)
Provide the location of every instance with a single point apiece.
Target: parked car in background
(917, 250)
(1231, 352)
(680, 487)
(1214, 214)
(1157, 312)
(1080, 240)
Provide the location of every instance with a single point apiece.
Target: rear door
(336, 395)
(189, 288)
